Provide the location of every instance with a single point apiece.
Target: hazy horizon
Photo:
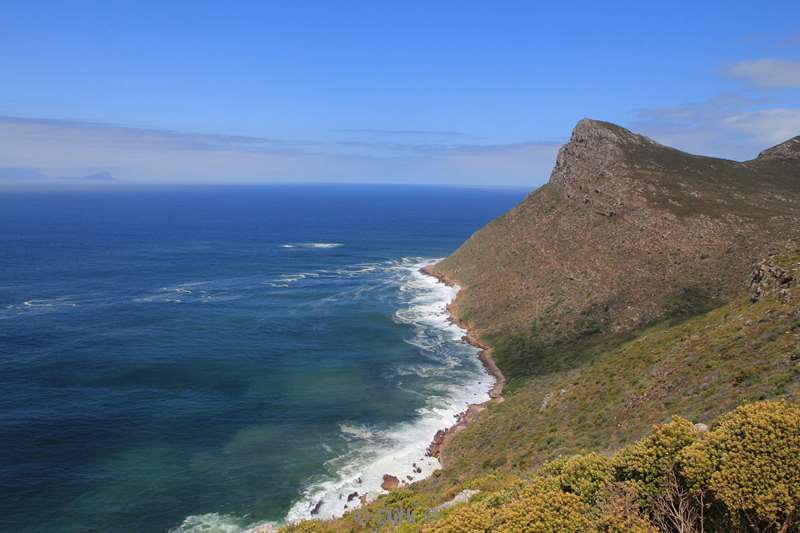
(99, 95)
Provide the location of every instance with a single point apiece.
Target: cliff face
(626, 231)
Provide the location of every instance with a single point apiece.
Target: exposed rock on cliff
(774, 276)
(627, 231)
(787, 150)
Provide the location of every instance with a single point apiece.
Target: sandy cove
(443, 437)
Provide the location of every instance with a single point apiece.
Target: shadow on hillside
(522, 356)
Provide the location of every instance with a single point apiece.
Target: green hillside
(698, 368)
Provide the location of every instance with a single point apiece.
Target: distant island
(96, 176)
(641, 314)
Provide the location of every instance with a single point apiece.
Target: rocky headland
(642, 293)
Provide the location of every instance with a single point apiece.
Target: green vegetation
(646, 464)
(741, 476)
(751, 464)
(606, 439)
(698, 368)
(612, 298)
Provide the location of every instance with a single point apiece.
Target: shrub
(617, 510)
(544, 511)
(493, 481)
(307, 526)
(466, 518)
(751, 462)
(582, 475)
(647, 462)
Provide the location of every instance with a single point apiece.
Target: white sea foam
(291, 278)
(55, 302)
(358, 270)
(210, 291)
(394, 450)
(222, 523)
(39, 306)
(356, 431)
(286, 280)
(451, 380)
(313, 245)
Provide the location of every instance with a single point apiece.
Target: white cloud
(729, 126)
(767, 72)
(771, 125)
(68, 148)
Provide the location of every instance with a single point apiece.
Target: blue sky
(478, 93)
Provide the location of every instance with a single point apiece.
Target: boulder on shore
(390, 482)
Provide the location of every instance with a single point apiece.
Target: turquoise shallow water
(218, 358)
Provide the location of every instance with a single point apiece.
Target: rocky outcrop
(316, 508)
(461, 497)
(435, 447)
(596, 151)
(773, 279)
(788, 150)
(390, 482)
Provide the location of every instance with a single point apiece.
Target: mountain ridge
(789, 149)
(626, 231)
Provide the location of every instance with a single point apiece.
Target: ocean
(216, 358)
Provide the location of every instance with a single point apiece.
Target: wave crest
(400, 449)
(313, 245)
(221, 523)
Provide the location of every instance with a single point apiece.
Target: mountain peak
(786, 150)
(594, 148)
(626, 232)
(588, 129)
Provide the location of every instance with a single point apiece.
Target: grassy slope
(697, 368)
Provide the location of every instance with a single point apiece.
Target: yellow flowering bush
(750, 462)
(545, 511)
(466, 518)
(622, 523)
(742, 475)
(617, 511)
(583, 475)
(647, 462)
(307, 526)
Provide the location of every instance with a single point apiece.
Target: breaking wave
(448, 375)
(312, 245)
(222, 523)
(400, 450)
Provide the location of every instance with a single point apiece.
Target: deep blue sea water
(190, 358)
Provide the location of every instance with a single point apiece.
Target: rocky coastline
(444, 436)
